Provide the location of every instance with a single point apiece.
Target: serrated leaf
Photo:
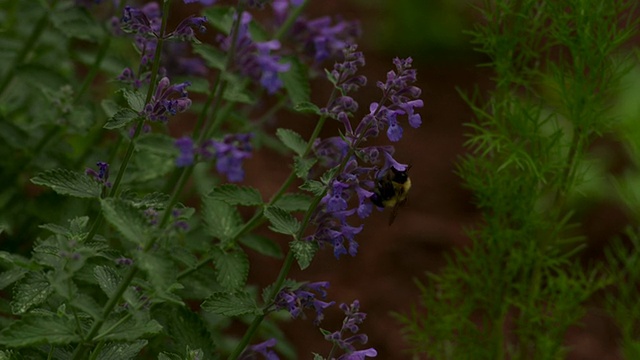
(296, 81)
(34, 330)
(221, 17)
(292, 140)
(262, 245)
(75, 23)
(307, 107)
(237, 195)
(303, 166)
(313, 186)
(86, 304)
(107, 278)
(131, 329)
(135, 99)
(294, 202)
(231, 304)
(10, 276)
(281, 221)
(186, 329)
(236, 92)
(127, 219)
(232, 268)
(155, 143)
(121, 351)
(160, 272)
(33, 290)
(66, 182)
(213, 57)
(121, 118)
(303, 251)
(109, 107)
(154, 200)
(221, 219)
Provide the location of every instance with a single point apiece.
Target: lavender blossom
(305, 297)
(322, 39)
(167, 100)
(203, 2)
(229, 153)
(102, 175)
(360, 166)
(351, 324)
(254, 59)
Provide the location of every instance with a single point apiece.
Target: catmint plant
(127, 229)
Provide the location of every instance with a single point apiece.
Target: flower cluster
(305, 297)
(145, 24)
(263, 348)
(254, 59)
(167, 100)
(358, 165)
(229, 153)
(322, 39)
(102, 175)
(351, 323)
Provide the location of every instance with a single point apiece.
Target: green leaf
(281, 221)
(313, 186)
(232, 268)
(294, 202)
(127, 219)
(237, 195)
(186, 329)
(296, 81)
(231, 304)
(307, 107)
(262, 245)
(213, 57)
(33, 290)
(303, 251)
(107, 278)
(135, 99)
(221, 219)
(41, 329)
(292, 140)
(10, 276)
(75, 23)
(109, 107)
(131, 329)
(121, 351)
(70, 183)
(86, 304)
(221, 17)
(160, 272)
(169, 356)
(155, 143)
(121, 118)
(303, 166)
(236, 92)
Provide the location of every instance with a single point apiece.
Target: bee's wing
(394, 211)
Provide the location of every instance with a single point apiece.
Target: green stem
(288, 23)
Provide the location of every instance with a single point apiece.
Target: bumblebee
(391, 191)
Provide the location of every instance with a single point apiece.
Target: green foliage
(557, 67)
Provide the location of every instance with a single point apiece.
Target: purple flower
(295, 301)
(187, 151)
(102, 175)
(203, 2)
(323, 40)
(254, 59)
(184, 30)
(262, 348)
(353, 318)
(124, 261)
(167, 100)
(229, 154)
(145, 21)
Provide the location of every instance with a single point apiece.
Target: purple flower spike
(102, 175)
(184, 30)
(203, 2)
(353, 318)
(295, 301)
